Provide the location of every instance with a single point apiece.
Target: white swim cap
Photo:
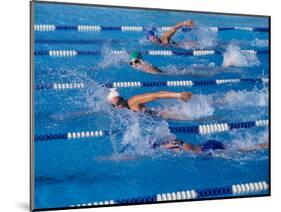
(112, 93)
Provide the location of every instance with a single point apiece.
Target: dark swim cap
(212, 145)
(149, 34)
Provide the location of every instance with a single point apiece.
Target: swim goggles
(134, 62)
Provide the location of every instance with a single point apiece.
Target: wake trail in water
(110, 60)
(201, 107)
(195, 108)
(198, 70)
(242, 98)
(234, 56)
(245, 146)
(202, 36)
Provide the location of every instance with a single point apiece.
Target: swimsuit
(170, 44)
(151, 112)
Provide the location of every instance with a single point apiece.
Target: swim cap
(112, 93)
(149, 34)
(212, 145)
(135, 55)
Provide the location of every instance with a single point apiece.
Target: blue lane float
(136, 84)
(248, 188)
(98, 28)
(186, 53)
(202, 129)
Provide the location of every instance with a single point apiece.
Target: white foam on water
(112, 60)
(235, 57)
(242, 147)
(259, 43)
(96, 98)
(73, 106)
(197, 107)
(205, 38)
(249, 141)
(245, 98)
(140, 132)
(86, 102)
(143, 41)
(199, 70)
(252, 43)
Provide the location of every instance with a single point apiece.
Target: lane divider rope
(97, 28)
(202, 129)
(77, 41)
(202, 52)
(191, 194)
(129, 84)
(80, 41)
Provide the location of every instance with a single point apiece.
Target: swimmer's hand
(185, 96)
(188, 23)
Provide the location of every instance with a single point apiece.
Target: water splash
(112, 60)
(96, 98)
(205, 37)
(246, 43)
(73, 105)
(246, 141)
(140, 136)
(199, 37)
(235, 57)
(241, 146)
(85, 103)
(197, 107)
(245, 146)
(139, 133)
(259, 43)
(198, 70)
(245, 98)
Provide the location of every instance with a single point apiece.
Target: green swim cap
(135, 55)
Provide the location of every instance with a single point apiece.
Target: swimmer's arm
(152, 70)
(185, 147)
(165, 38)
(136, 101)
(188, 147)
(149, 68)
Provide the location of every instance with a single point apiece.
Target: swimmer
(165, 39)
(138, 63)
(178, 146)
(206, 147)
(137, 103)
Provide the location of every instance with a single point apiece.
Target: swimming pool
(79, 137)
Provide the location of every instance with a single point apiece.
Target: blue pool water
(78, 171)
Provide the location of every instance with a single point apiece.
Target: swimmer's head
(113, 94)
(151, 35)
(115, 99)
(135, 57)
